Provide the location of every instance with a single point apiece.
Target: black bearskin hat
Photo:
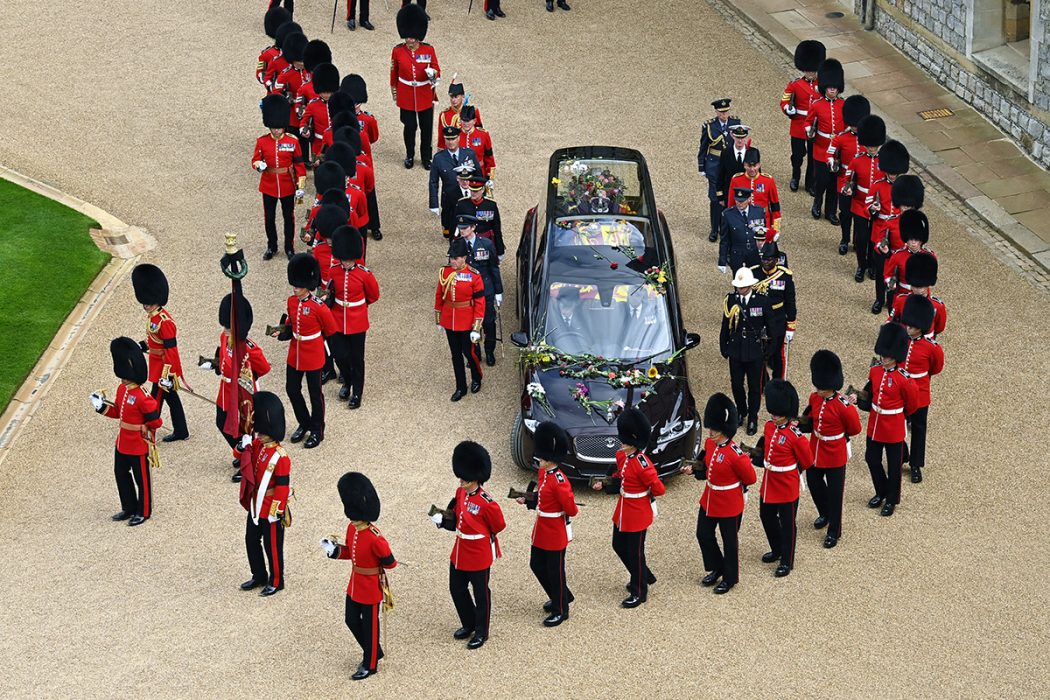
(633, 428)
(356, 87)
(918, 312)
(914, 226)
(908, 191)
(350, 136)
(244, 315)
(893, 158)
(151, 286)
(892, 342)
(284, 31)
(329, 175)
(830, 75)
(467, 113)
(871, 131)
(412, 22)
(781, 398)
(341, 108)
(273, 19)
(855, 108)
(336, 197)
(550, 443)
(269, 415)
(359, 497)
(304, 271)
(128, 361)
(347, 244)
(921, 270)
(470, 461)
(720, 415)
(325, 78)
(294, 47)
(458, 248)
(343, 154)
(316, 53)
(328, 218)
(276, 112)
(825, 371)
(809, 54)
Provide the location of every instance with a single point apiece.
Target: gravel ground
(151, 115)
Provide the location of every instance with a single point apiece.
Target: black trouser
(488, 323)
(424, 121)
(726, 563)
(461, 347)
(448, 214)
(474, 612)
(220, 423)
(917, 423)
(778, 520)
(549, 568)
(349, 353)
(845, 216)
(363, 621)
(747, 403)
(824, 183)
(269, 537)
(351, 6)
(373, 210)
(802, 150)
(492, 5)
(887, 480)
(877, 263)
(777, 359)
(287, 212)
(630, 547)
(862, 241)
(178, 413)
(134, 483)
(828, 487)
(313, 419)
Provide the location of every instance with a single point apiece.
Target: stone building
(993, 54)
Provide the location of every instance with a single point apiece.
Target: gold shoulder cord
(732, 314)
(447, 283)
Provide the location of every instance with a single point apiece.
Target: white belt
(803, 112)
(825, 134)
(903, 285)
(312, 336)
(862, 189)
(914, 375)
(788, 468)
(887, 217)
(886, 411)
(350, 303)
(723, 487)
(643, 494)
(545, 514)
(828, 438)
(414, 83)
(464, 536)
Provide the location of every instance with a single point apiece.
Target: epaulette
(936, 299)
(796, 431)
(559, 476)
(844, 400)
(250, 343)
(785, 269)
(473, 269)
(486, 496)
(374, 529)
(280, 450)
(362, 267)
(736, 448)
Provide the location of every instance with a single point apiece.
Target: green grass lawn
(47, 261)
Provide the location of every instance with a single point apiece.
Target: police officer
(444, 171)
(743, 229)
(713, 140)
(777, 282)
(481, 255)
(747, 326)
(485, 210)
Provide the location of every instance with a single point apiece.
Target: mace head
(231, 243)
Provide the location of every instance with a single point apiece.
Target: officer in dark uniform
(777, 282)
(713, 140)
(443, 170)
(485, 210)
(743, 229)
(747, 325)
(732, 160)
(481, 255)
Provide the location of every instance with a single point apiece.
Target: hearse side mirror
(692, 340)
(521, 340)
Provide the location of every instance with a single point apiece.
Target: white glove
(436, 519)
(329, 547)
(501, 258)
(499, 300)
(208, 365)
(435, 210)
(166, 383)
(299, 194)
(431, 73)
(489, 184)
(475, 336)
(305, 132)
(259, 165)
(788, 336)
(790, 110)
(246, 441)
(722, 269)
(97, 401)
(274, 518)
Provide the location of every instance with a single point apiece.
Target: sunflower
(653, 372)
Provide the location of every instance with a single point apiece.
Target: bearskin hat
(273, 19)
(830, 75)
(341, 109)
(325, 78)
(467, 113)
(350, 136)
(356, 87)
(329, 217)
(284, 31)
(633, 428)
(893, 158)
(359, 497)
(809, 54)
(720, 415)
(458, 248)
(343, 154)
(551, 442)
(329, 175)
(244, 315)
(908, 191)
(781, 398)
(914, 226)
(336, 197)
(276, 112)
(871, 131)
(470, 461)
(304, 271)
(151, 286)
(921, 270)
(892, 342)
(825, 371)
(855, 108)
(918, 312)
(347, 244)
(128, 361)
(269, 415)
(294, 47)
(316, 53)
(412, 22)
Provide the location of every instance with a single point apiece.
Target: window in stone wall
(1000, 41)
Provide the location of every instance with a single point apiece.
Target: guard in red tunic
(370, 555)
(831, 420)
(316, 53)
(353, 289)
(346, 156)
(885, 224)
(290, 82)
(822, 124)
(785, 455)
(233, 379)
(161, 346)
(139, 417)
(274, 18)
(841, 152)
(459, 308)
(266, 476)
(921, 272)
(476, 519)
(282, 173)
(635, 479)
(925, 358)
(915, 232)
(555, 505)
(278, 62)
(414, 72)
(799, 94)
(355, 86)
(316, 119)
(307, 323)
(890, 396)
(863, 173)
(728, 472)
(478, 140)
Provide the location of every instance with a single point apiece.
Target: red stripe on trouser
(372, 661)
(477, 359)
(275, 561)
(147, 491)
(783, 361)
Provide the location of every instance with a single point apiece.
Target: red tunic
(289, 83)
(450, 117)
(459, 299)
(478, 520)
(843, 148)
(799, 94)
(369, 126)
(826, 116)
(864, 169)
(764, 194)
(254, 365)
(355, 289)
(896, 266)
(311, 321)
(940, 313)
(886, 224)
(925, 358)
(277, 65)
(316, 120)
(368, 550)
(322, 252)
(480, 142)
(265, 59)
(835, 421)
(163, 346)
(412, 88)
(358, 204)
(284, 164)
(555, 504)
(638, 484)
(729, 470)
(265, 494)
(366, 176)
(893, 397)
(786, 455)
(139, 415)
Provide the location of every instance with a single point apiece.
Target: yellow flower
(653, 372)
(662, 277)
(555, 181)
(546, 358)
